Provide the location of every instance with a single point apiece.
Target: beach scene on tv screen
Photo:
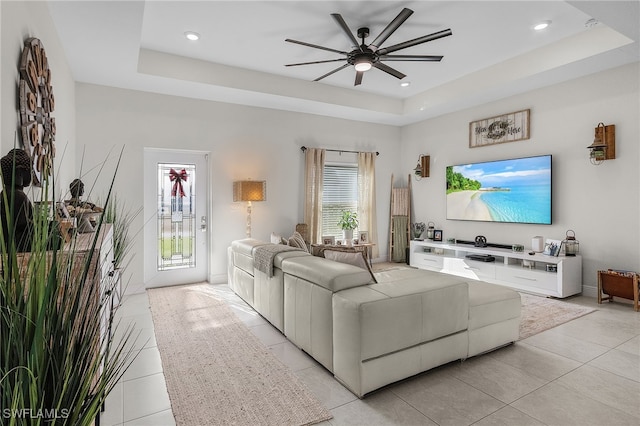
(516, 190)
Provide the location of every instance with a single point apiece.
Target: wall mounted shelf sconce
(422, 169)
(604, 144)
(249, 190)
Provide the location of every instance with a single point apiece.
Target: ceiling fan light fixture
(362, 64)
(191, 35)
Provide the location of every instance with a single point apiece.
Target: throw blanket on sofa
(263, 256)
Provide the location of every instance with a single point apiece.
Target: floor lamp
(249, 190)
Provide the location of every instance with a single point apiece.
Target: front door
(175, 212)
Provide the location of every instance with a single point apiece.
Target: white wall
(600, 203)
(20, 21)
(244, 142)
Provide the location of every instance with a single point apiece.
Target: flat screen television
(516, 191)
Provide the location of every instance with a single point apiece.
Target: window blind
(340, 192)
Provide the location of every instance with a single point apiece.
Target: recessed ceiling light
(405, 84)
(591, 23)
(542, 25)
(190, 35)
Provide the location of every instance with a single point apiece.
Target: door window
(176, 216)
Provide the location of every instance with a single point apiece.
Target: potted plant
(348, 222)
(120, 217)
(57, 363)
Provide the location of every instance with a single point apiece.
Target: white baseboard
(590, 291)
(218, 279)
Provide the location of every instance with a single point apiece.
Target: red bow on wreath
(177, 179)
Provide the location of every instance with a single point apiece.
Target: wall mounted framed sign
(510, 127)
(37, 126)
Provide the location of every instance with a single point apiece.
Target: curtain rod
(304, 148)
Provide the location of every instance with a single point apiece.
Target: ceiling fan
(364, 57)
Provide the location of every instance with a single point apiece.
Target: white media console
(519, 270)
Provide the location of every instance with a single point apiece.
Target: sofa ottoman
(389, 331)
(494, 316)
(309, 283)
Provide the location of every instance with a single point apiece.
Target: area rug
(541, 313)
(217, 372)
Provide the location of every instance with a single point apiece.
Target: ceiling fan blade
(331, 72)
(359, 75)
(393, 25)
(424, 58)
(338, 18)
(389, 70)
(316, 46)
(314, 62)
(415, 41)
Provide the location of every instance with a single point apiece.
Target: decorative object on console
(430, 230)
(422, 169)
(604, 144)
(552, 247)
(249, 190)
(517, 248)
(86, 213)
(417, 229)
(537, 244)
(437, 235)
(571, 245)
(364, 236)
(509, 127)
(480, 241)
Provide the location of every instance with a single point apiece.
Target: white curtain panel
(314, 173)
(367, 198)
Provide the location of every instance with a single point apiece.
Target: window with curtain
(340, 192)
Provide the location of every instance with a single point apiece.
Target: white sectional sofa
(372, 334)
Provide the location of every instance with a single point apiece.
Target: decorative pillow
(352, 258)
(296, 240)
(276, 239)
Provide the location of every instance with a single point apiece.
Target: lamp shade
(250, 190)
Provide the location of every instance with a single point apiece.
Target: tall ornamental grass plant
(58, 356)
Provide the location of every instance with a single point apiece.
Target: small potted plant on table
(348, 222)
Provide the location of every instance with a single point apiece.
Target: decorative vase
(348, 236)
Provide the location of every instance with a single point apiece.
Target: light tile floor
(585, 372)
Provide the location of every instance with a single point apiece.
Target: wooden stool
(619, 284)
